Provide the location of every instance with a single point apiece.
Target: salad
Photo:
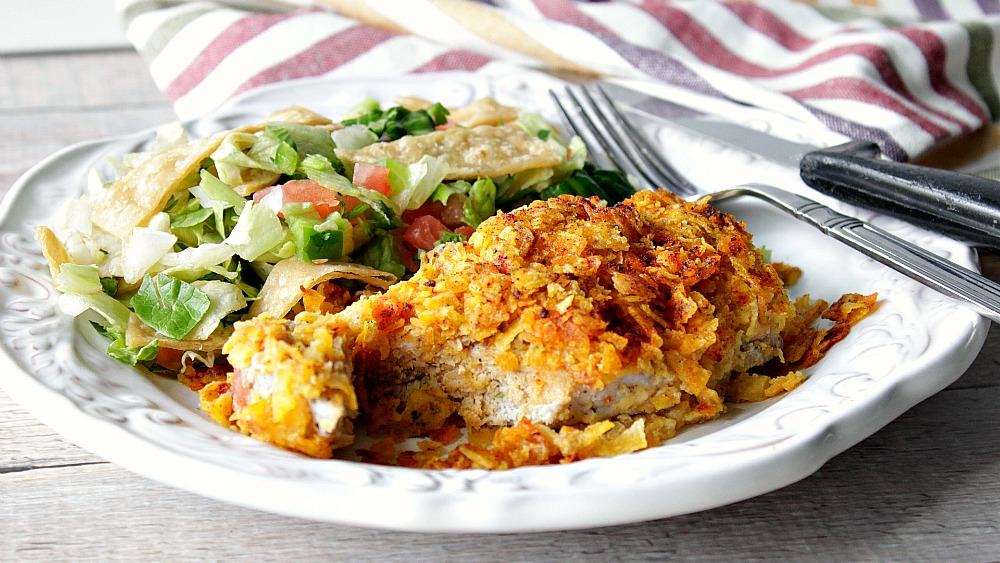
(296, 212)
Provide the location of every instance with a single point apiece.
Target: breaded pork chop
(562, 312)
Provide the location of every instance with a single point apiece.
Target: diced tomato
(466, 231)
(454, 213)
(372, 177)
(444, 126)
(424, 232)
(432, 208)
(324, 201)
(408, 256)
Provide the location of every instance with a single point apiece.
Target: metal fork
(590, 112)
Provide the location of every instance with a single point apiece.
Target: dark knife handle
(960, 205)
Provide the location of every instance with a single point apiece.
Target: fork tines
(592, 115)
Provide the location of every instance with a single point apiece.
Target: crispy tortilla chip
(53, 250)
(469, 153)
(138, 335)
(485, 111)
(282, 289)
(297, 114)
(413, 103)
(254, 180)
(145, 189)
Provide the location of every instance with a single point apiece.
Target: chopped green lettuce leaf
(308, 140)
(481, 203)
(275, 146)
(257, 231)
(413, 184)
(444, 191)
(353, 137)
(381, 253)
(190, 218)
(118, 350)
(142, 250)
(170, 306)
(231, 157)
(77, 279)
(224, 298)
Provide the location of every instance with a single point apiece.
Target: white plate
(913, 346)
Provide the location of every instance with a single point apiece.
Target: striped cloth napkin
(906, 74)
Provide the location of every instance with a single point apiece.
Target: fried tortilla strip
(137, 335)
(145, 189)
(53, 250)
(254, 180)
(469, 153)
(295, 114)
(413, 103)
(283, 287)
(484, 111)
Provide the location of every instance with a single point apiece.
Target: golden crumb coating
(568, 297)
(291, 383)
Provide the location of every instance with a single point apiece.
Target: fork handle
(960, 205)
(982, 294)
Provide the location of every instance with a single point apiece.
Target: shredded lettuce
(224, 298)
(381, 254)
(230, 157)
(257, 231)
(143, 250)
(481, 203)
(274, 146)
(170, 306)
(307, 140)
(77, 279)
(202, 256)
(367, 105)
(413, 184)
(444, 191)
(212, 192)
(120, 351)
(353, 137)
(113, 312)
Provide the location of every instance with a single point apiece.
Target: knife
(960, 205)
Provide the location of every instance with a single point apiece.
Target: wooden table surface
(925, 487)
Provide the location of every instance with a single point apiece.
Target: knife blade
(959, 205)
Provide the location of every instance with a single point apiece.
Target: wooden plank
(916, 490)
(25, 139)
(29, 444)
(102, 79)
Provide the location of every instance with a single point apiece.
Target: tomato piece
(454, 213)
(424, 232)
(324, 201)
(466, 231)
(432, 208)
(372, 177)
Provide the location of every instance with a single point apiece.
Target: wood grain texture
(925, 487)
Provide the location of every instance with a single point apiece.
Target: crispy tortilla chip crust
(563, 302)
